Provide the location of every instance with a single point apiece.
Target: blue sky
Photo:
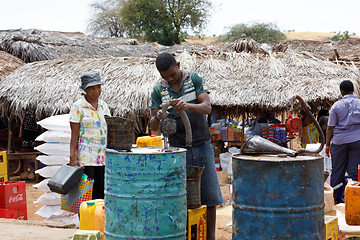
(301, 16)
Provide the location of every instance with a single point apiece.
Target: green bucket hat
(91, 78)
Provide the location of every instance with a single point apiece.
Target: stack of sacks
(57, 150)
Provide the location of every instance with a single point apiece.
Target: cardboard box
(226, 193)
(222, 176)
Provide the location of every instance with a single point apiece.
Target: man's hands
(180, 105)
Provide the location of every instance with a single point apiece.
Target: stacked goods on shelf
(57, 150)
(224, 131)
(224, 134)
(215, 132)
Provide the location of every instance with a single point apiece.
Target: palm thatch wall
(8, 64)
(37, 45)
(237, 81)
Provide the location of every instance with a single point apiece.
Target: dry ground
(34, 228)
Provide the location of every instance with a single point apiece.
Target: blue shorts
(210, 188)
(344, 157)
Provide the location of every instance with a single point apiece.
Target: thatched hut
(8, 64)
(37, 45)
(238, 82)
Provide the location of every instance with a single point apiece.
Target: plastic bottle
(155, 141)
(99, 218)
(87, 213)
(87, 210)
(352, 204)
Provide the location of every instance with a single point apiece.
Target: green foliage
(163, 21)
(345, 35)
(107, 21)
(260, 32)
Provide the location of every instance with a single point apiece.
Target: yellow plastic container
(3, 166)
(352, 204)
(99, 218)
(87, 213)
(149, 141)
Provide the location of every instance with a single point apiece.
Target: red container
(19, 213)
(12, 194)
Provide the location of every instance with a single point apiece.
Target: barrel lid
(276, 158)
(90, 203)
(146, 150)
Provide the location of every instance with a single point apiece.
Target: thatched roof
(37, 45)
(8, 64)
(240, 81)
(347, 49)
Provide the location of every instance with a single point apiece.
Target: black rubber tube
(322, 137)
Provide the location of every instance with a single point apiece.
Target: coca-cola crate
(19, 213)
(12, 194)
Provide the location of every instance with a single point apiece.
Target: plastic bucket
(119, 133)
(278, 198)
(145, 194)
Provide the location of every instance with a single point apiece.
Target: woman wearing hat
(88, 131)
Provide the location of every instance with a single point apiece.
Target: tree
(260, 32)
(106, 20)
(163, 21)
(343, 36)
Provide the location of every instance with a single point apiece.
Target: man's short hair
(165, 61)
(347, 86)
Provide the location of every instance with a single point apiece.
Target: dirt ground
(35, 229)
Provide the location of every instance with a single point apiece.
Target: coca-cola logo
(17, 198)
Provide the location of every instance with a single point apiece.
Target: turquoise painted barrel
(145, 194)
(278, 198)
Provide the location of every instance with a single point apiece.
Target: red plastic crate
(19, 213)
(12, 194)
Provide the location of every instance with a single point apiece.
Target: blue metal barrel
(278, 198)
(145, 194)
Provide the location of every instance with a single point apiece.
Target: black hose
(185, 120)
(322, 137)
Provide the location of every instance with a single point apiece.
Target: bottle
(87, 210)
(99, 218)
(352, 204)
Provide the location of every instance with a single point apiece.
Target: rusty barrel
(278, 197)
(145, 194)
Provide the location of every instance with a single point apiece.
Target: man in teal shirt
(191, 94)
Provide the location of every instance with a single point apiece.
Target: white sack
(48, 171)
(234, 150)
(55, 136)
(49, 198)
(58, 122)
(226, 162)
(53, 159)
(54, 148)
(48, 211)
(43, 185)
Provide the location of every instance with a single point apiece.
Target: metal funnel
(259, 145)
